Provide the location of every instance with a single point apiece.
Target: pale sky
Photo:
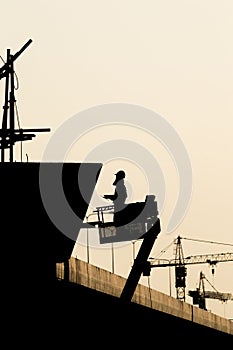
(174, 58)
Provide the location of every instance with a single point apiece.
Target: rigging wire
(190, 239)
(165, 249)
(21, 143)
(17, 115)
(17, 79)
(211, 284)
(2, 59)
(205, 241)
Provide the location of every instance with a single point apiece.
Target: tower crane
(200, 294)
(180, 263)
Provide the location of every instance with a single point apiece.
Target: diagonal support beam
(140, 262)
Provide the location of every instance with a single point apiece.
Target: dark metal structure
(21, 192)
(9, 135)
(138, 221)
(180, 263)
(180, 271)
(201, 294)
(35, 306)
(30, 229)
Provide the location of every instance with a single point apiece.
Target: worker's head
(120, 174)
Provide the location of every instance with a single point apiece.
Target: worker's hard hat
(120, 174)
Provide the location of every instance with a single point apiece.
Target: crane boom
(218, 295)
(194, 259)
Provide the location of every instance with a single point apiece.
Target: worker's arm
(112, 197)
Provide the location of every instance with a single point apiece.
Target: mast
(9, 135)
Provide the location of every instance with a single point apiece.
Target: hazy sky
(174, 58)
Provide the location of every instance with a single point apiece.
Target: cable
(190, 239)
(203, 241)
(149, 287)
(165, 249)
(21, 143)
(17, 115)
(17, 79)
(211, 284)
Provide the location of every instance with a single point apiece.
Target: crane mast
(180, 271)
(180, 263)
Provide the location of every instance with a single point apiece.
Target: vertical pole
(88, 253)
(66, 271)
(133, 242)
(12, 109)
(5, 110)
(170, 290)
(112, 258)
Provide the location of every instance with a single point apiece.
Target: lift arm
(140, 262)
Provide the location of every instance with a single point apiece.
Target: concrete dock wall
(106, 282)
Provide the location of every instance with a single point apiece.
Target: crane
(200, 294)
(180, 263)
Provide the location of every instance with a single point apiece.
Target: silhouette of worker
(119, 196)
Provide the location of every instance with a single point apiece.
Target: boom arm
(195, 259)
(218, 295)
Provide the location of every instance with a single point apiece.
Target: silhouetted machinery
(131, 223)
(9, 135)
(201, 294)
(180, 263)
(136, 221)
(43, 207)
